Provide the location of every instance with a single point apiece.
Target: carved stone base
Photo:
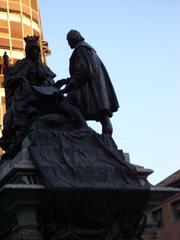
(91, 194)
(18, 212)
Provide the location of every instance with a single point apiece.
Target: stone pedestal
(20, 196)
(18, 211)
(29, 212)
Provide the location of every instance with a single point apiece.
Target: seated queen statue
(32, 92)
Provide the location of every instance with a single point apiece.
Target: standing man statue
(89, 86)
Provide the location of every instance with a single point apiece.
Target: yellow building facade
(18, 18)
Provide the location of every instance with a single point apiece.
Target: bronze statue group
(32, 92)
(89, 176)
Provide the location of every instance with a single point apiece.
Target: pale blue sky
(139, 43)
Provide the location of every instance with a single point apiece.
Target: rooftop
(173, 180)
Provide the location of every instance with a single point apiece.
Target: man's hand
(63, 91)
(61, 82)
(70, 86)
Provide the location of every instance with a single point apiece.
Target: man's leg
(106, 125)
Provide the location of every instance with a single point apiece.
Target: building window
(16, 30)
(4, 43)
(176, 209)
(157, 216)
(14, 6)
(17, 44)
(26, 10)
(34, 5)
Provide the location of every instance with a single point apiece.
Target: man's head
(73, 38)
(32, 48)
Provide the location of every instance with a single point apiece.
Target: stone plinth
(31, 211)
(20, 196)
(18, 211)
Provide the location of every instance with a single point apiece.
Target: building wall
(18, 18)
(167, 219)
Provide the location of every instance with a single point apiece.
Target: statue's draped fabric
(93, 92)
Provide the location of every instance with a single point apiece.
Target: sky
(139, 43)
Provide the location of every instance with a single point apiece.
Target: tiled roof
(171, 180)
